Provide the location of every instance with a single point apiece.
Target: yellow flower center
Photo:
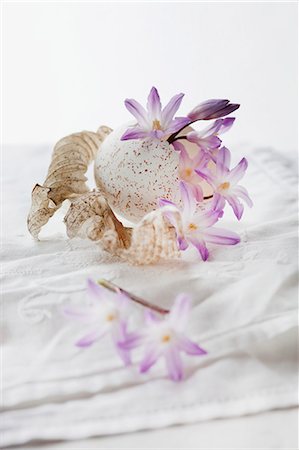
(156, 125)
(166, 338)
(110, 317)
(192, 226)
(224, 186)
(188, 172)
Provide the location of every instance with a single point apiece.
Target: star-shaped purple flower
(155, 122)
(165, 338)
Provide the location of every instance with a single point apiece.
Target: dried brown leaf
(66, 175)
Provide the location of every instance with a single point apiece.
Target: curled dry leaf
(90, 216)
(151, 240)
(66, 176)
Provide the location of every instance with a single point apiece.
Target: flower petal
(220, 236)
(211, 109)
(178, 146)
(200, 245)
(238, 208)
(188, 199)
(182, 243)
(238, 172)
(81, 314)
(174, 364)
(241, 192)
(223, 161)
(150, 358)
(134, 133)
(177, 124)
(180, 311)
(90, 338)
(190, 347)
(138, 112)
(154, 104)
(132, 340)
(95, 291)
(170, 109)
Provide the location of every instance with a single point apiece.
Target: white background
(69, 66)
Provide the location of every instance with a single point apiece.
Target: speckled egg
(133, 174)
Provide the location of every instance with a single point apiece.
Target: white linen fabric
(244, 315)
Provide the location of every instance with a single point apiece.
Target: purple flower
(208, 139)
(212, 109)
(197, 228)
(105, 314)
(225, 181)
(187, 171)
(155, 122)
(165, 338)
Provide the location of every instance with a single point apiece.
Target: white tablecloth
(244, 315)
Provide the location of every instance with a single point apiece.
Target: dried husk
(66, 176)
(151, 240)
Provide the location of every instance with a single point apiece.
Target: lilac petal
(171, 108)
(197, 192)
(164, 202)
(174, 364)
(154, 104)
(131, 341)
(177, 124)
(238, 208)
(180, 311)
(90, 338)
(223, 161)
(95, 291)
(190, 347)
(81, 314)
(209, 218)
(150, 317)
(209, 142)
(220, 236)
(238, 172)
(218, 203)
(119, 334)
(241, 192)
(212, 109)
(188, 199)
(138, 112)
(184, 159)
(182, 243)
(220, 126)
(178, 146)
(150, 358)
(201, 247)
(134, 133)
(206, 175)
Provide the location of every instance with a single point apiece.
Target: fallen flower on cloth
(106, 314)
(198, 227)
(165, 338)
(156, 122)
(225, 181)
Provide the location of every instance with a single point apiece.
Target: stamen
(166, 338)
(224, 186)
(192, 226)
(156, 125)
(110, 317)
(188, 172)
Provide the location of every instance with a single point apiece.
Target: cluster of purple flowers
(107, 313)
(210, 164)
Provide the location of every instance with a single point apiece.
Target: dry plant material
(151, 240)
(66, 176)
(90, 216)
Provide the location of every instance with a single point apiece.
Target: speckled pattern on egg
(134, 174)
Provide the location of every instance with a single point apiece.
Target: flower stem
(173, 136)
(112, 287)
